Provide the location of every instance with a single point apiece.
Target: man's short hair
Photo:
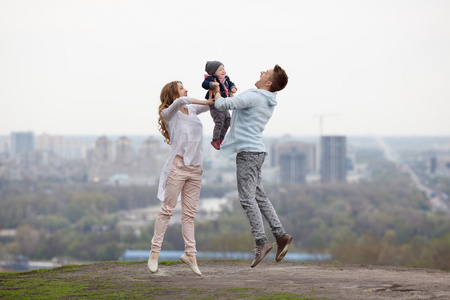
(279, 79)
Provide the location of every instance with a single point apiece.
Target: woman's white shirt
(185, 132)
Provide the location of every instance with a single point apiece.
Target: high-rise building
(69, 149)
(151, 157)
(124, 151)
(440, 165)
(149, 149)
(433, 165)
(102, 164)
(21, 142)
(103, 151)
(333, 166)
(125, 159)
(295, 160)
(293, 167)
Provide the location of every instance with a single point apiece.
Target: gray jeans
(253, 198)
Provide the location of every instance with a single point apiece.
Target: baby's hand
(233, 90)
(215, 84)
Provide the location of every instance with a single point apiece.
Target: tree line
(384, 221)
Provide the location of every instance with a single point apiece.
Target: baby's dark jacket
(207, 85)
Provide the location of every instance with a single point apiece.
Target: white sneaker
(152, 264)
(193, 267)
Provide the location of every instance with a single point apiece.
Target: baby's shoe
(216, 144)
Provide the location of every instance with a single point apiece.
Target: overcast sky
(97, 67)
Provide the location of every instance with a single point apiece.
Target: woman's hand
(202, 102)
(209, 101)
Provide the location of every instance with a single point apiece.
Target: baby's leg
(226, 124)
(219, 120)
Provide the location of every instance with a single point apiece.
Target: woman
(181, 176)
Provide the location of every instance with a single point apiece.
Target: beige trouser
(187, 181)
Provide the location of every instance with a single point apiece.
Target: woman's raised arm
(202, 102)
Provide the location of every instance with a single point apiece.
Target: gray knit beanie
(212, 66)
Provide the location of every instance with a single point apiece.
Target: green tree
(28, 239)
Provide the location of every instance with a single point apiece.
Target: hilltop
(228, 279)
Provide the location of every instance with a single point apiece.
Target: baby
(217, 76)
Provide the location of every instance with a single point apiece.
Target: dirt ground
(229, 279)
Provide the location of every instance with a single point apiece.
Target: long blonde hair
(169, 93)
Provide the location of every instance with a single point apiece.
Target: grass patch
(170, 262)
(59, 283)
(306, 263)
(113, 280)
(240, 289)
(131, 262)
(36, 286)
(338, 264)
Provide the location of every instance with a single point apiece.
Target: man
(252, 111)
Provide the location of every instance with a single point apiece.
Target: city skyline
(97, 67)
